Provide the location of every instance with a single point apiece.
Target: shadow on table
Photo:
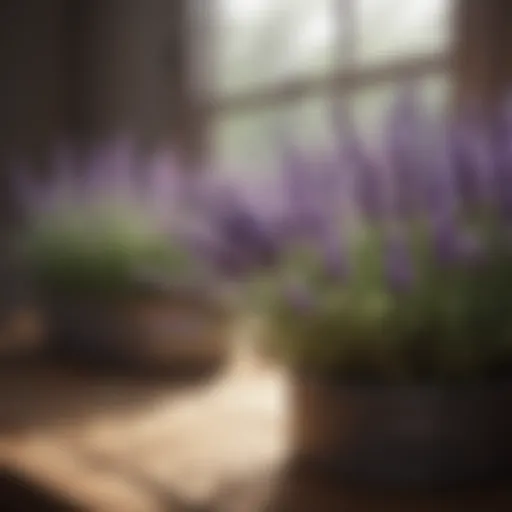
(38, 394)
(17, 496)
(302, 491)
(306, 491)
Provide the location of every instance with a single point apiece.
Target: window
(286, 62)
(397, 29)
(264, 42)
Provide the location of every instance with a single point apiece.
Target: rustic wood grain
(106, 443)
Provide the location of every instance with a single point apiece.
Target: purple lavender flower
(96, 180)
(366, 179)
(406, 109)
(163, 187)
(369, 187)
(504, 197)
(405, 131)
(336, 188)
(304, 196)
(109, 170)
(438, 187)
(503, 183)
(247, 233)
(265, 201)
(503, 122)
(502, 163)
(296, 177)
(399, 268)
(501, 146)
(406, 190)
(242, 231)
(465, 175)
(193, 189)
(361, 175)
(121, 158)
(332, 179)
(360, 182)
(472, 164)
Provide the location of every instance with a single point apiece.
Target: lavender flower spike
(368, 184)
(404, 132)
(162, 186)
(471, 162)
(296, 176)
(503, 179)
(439, 187)
(242, 230)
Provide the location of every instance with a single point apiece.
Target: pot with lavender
(391, 303)
(107, 246)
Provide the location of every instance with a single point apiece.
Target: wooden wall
(90, 69)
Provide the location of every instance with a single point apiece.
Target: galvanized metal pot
(403, 436)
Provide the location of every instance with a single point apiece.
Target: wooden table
(108, 443)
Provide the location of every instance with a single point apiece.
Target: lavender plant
(105, 223)
(414, 280)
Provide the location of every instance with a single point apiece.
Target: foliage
(415, 284)
(100, 252)
(101, 232)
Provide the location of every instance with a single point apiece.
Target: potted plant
(111, 262)
(391, 304)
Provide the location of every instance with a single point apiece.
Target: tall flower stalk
(404, 264)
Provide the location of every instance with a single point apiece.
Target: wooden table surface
(108, 443)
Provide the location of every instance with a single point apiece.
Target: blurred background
(219, 80)
(219, 77)
(289, 63)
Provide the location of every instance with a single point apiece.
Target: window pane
(388, 29)
(262, 42)
(248, 142)
(243, 142)
(370, 105)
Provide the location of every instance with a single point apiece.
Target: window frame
(334, 84)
